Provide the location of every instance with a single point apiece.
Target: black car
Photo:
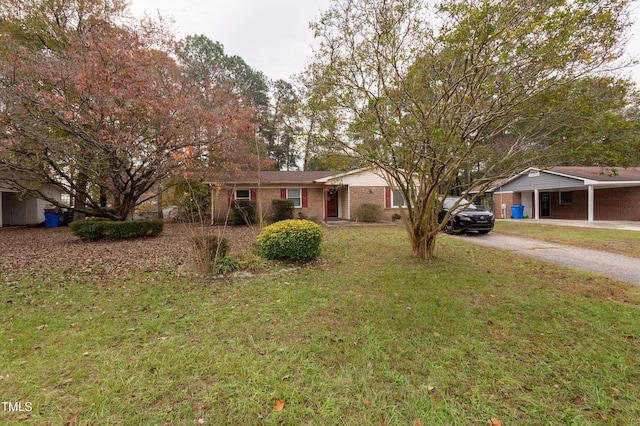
(466, 217)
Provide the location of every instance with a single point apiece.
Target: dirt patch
(34, 251)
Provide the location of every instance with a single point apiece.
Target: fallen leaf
(72, 420)
(616, 391)
(578, 400)
(495, 422)
(279, 405)
(367, 403)
(200, 421)
(23, 416)
(417, 422)
(430, 388)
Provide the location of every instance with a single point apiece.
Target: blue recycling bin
(51, 220)
(517, 212)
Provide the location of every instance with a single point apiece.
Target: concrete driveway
(612, 265)
(605, 224)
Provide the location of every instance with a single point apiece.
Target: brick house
(318, 195)
(578, 193)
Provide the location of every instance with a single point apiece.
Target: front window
(243, 194)
(566, 197)
(397, 200)
(295, 195)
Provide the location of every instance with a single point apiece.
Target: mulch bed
(36, 251)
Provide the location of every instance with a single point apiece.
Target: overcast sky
(272, 36)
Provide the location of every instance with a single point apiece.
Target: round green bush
(292, 239)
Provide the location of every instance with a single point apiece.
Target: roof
(341, 175)
(281, 177)
(570, 177)
(599, 174)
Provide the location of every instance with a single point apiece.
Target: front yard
(122, 333)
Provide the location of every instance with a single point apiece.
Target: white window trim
(235, 194)
(295, 198)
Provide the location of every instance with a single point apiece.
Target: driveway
(623, 268)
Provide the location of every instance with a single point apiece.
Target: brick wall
(617, 204)
(359, 195)
(577, 210)
(507, 198)
(314, 211)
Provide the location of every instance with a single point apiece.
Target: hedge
(282, 209)
(97, 229)
(369, 213)
(244, 212)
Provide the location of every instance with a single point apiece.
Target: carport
(572, 193)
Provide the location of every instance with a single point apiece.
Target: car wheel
(450, 227)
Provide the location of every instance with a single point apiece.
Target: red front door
(332, 202)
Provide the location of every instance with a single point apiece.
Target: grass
(366, 335)
(614, 241)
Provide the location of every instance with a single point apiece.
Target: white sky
(272, 36)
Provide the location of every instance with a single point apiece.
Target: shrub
(282, 209)
(207, 250)
(97, 229)
(225, 265)
(244, 212)
(369, 213)
(395, 217)
(291, 239)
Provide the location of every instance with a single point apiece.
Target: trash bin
(66, 217)
(517, 212)
(51, 220)
(51, 216)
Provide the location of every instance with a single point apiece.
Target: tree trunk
(423, 243)
(80, 198)
(159, 202)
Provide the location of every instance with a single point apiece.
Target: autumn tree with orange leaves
(93, 103)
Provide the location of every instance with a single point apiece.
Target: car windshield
(449, 202)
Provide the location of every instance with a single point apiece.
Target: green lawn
(367, 335)
(614, 241)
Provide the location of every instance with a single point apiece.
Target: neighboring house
(579, 193)
(18, 211)
(317, 195)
